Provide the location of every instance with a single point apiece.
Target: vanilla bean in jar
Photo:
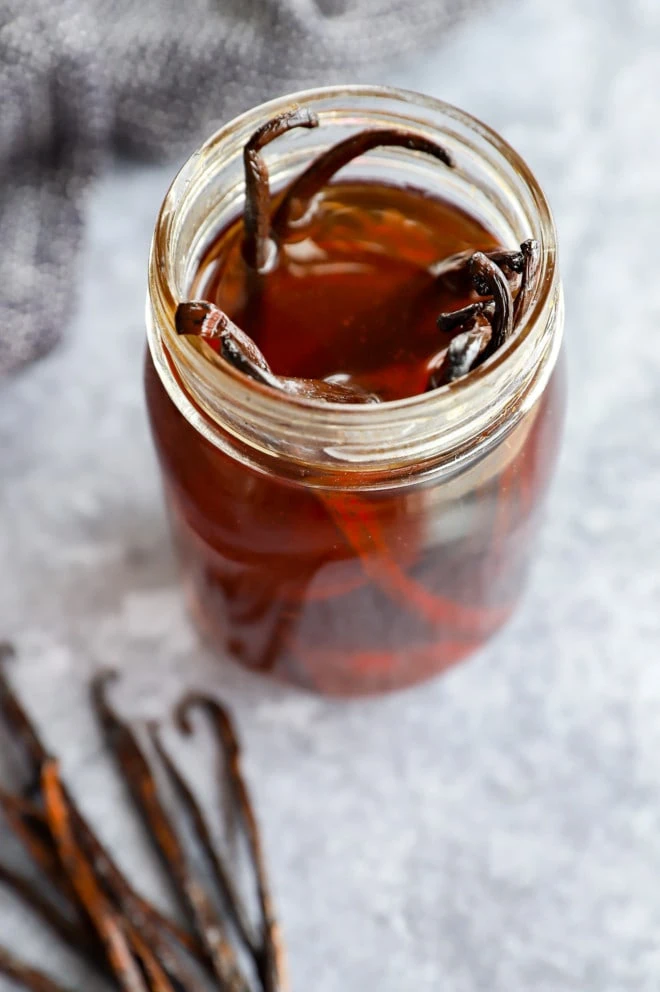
(355, 384)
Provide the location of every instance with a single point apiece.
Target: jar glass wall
(354, 549)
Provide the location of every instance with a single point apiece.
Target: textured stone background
(498, 829)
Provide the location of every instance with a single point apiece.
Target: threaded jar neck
(361, 446)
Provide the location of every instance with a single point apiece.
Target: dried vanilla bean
(26, 977)
(257, 245)
(485, 325)
(298, 198)
(137, 773)
(97, 913)
(272, 966)
(219, 867)
(531, 253)
(198, 318)
(106, 921)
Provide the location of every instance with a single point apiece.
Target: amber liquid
(342, 592)
(351, 295)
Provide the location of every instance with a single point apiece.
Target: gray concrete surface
(497, 830)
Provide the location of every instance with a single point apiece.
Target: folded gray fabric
(82, 78)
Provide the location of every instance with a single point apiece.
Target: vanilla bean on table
(29, 824)
(26, 977)
(84, 898)
(100, 911)
(216, 860)
(273, 966)
(71, 932)
(137, 774)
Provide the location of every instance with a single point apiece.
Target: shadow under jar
(355, 548)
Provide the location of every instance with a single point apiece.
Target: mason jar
(355, 548)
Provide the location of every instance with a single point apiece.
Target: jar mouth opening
(446, 424)
(163, 276)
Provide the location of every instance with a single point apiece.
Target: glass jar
(352, 549)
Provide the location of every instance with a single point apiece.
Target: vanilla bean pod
(297, 200)
(219, 867)
(138, 775)
(273, 966)
(93, 909)
(257, 244)
(198, 318)
(107, 923)
(27, 977)
(477, 340)
(29, 825)
(531, 253)
(72, 932)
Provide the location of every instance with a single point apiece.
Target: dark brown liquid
(348, 592)
(351, 295)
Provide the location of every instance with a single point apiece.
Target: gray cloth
(79, 78)
(498, 829)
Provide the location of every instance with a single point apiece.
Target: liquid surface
(351, 296)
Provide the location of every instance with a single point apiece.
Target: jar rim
(321, 418)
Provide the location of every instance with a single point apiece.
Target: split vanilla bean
(222, 873)
(137, 774)
(488, 278)
(272, 964)
(485, 325)
(478, 328)
(88, 903)
(511, 262)
(298, 198)
(531, 253)
(198, 318)
(257, 244)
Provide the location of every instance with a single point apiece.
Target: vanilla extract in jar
(358, 416)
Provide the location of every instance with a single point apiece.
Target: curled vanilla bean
(531, 252)
(138, 775)
(272, 969)
(484, 325)
(298, 198)
(257, 246)
(488, 278)
(204, 320)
